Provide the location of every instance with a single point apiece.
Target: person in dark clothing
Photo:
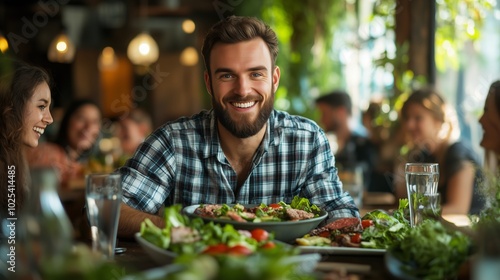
(386, 141)
(352, 150)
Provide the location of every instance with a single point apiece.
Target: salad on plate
(184, 235)
(298, 209)
(222, 251)
(375, 230)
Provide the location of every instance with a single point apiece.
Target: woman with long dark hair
(24, 106)
(78, 134)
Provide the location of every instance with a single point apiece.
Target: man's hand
(131, 219)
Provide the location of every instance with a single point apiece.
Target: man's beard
(242, 128)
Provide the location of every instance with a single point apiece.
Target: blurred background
(376, 50)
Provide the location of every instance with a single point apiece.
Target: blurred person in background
(432, 137)
(490, 121)
(24, 107)
(352, 150)
(75, 142)
(385, 146)
(132, 129)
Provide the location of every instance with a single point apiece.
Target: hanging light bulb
(107, 59)
(61, 49)
(4, 44)
(143, 50)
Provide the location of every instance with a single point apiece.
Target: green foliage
(387, 229)
(458, 22)
(490, 190)
(430, 251)
(305, 32)
(307, 60)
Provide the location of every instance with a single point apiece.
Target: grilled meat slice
(296, 214)
(343, 225)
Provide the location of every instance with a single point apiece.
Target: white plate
(340, 250)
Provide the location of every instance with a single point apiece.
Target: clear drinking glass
(431, 205)
(103, 194)
(421, 182)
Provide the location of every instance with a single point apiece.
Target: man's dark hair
(235, 29)
(336, 99)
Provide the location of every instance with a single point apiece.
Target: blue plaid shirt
(183, 162)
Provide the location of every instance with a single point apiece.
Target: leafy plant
(430, 251)
(305, 31)
(458, 22)
(490, 189)
(387, 229)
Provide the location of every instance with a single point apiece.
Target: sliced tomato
(275, 205)
(259, 234)
(239, 250)
(216, 249)
(269, 245)
(356, 238)
(366, 223)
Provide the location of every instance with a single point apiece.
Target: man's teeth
(244, 104)
(38, 129)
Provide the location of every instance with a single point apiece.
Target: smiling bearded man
(243, 150)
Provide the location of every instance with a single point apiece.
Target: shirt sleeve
(147, 176)
(323, 186)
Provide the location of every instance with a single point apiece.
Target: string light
(188, 26)
(143, 50)
(61, 49)
(4, 44)
(189, 56)
(107, 59)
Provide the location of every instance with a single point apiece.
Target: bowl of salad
(183, 235)
(285, 221)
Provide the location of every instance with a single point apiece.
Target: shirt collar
(271, 138)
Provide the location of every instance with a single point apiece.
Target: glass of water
(421, 181)
(103, 194)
